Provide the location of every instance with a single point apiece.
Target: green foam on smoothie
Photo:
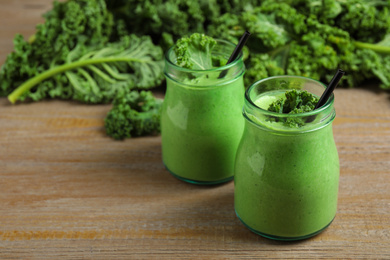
(264, 101)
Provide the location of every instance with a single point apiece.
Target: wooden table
(69, 191)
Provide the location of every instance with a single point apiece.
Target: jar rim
(275, 122)
(319, 110)
(222, 68)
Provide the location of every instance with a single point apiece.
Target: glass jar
(286, 178)
(201, 122)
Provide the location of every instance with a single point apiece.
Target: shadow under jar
(201, 121)
(286, 178)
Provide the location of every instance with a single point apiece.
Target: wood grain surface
(68, 191)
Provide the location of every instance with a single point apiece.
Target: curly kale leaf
(365, 20)
(64, 26)
(67, 20)
(154, 17)
(266, 27)
(263, 66)
(294, 102)
(325, 10)
(195, 52)
(95, 75)
(369, 64)
(175, 18)
(133, 113)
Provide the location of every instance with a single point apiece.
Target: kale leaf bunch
(92, 50)
(134, 113)
(71, 56)
(313, 39)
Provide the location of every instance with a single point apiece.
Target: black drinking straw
(236, 51)
(329, 90)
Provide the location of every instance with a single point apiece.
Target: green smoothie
(286, 179)
(201, 130)
(201, 122)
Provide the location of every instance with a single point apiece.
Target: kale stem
(375, 47)
(27, 85)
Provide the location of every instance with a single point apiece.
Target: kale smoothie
(287, 167)
(201, 122)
